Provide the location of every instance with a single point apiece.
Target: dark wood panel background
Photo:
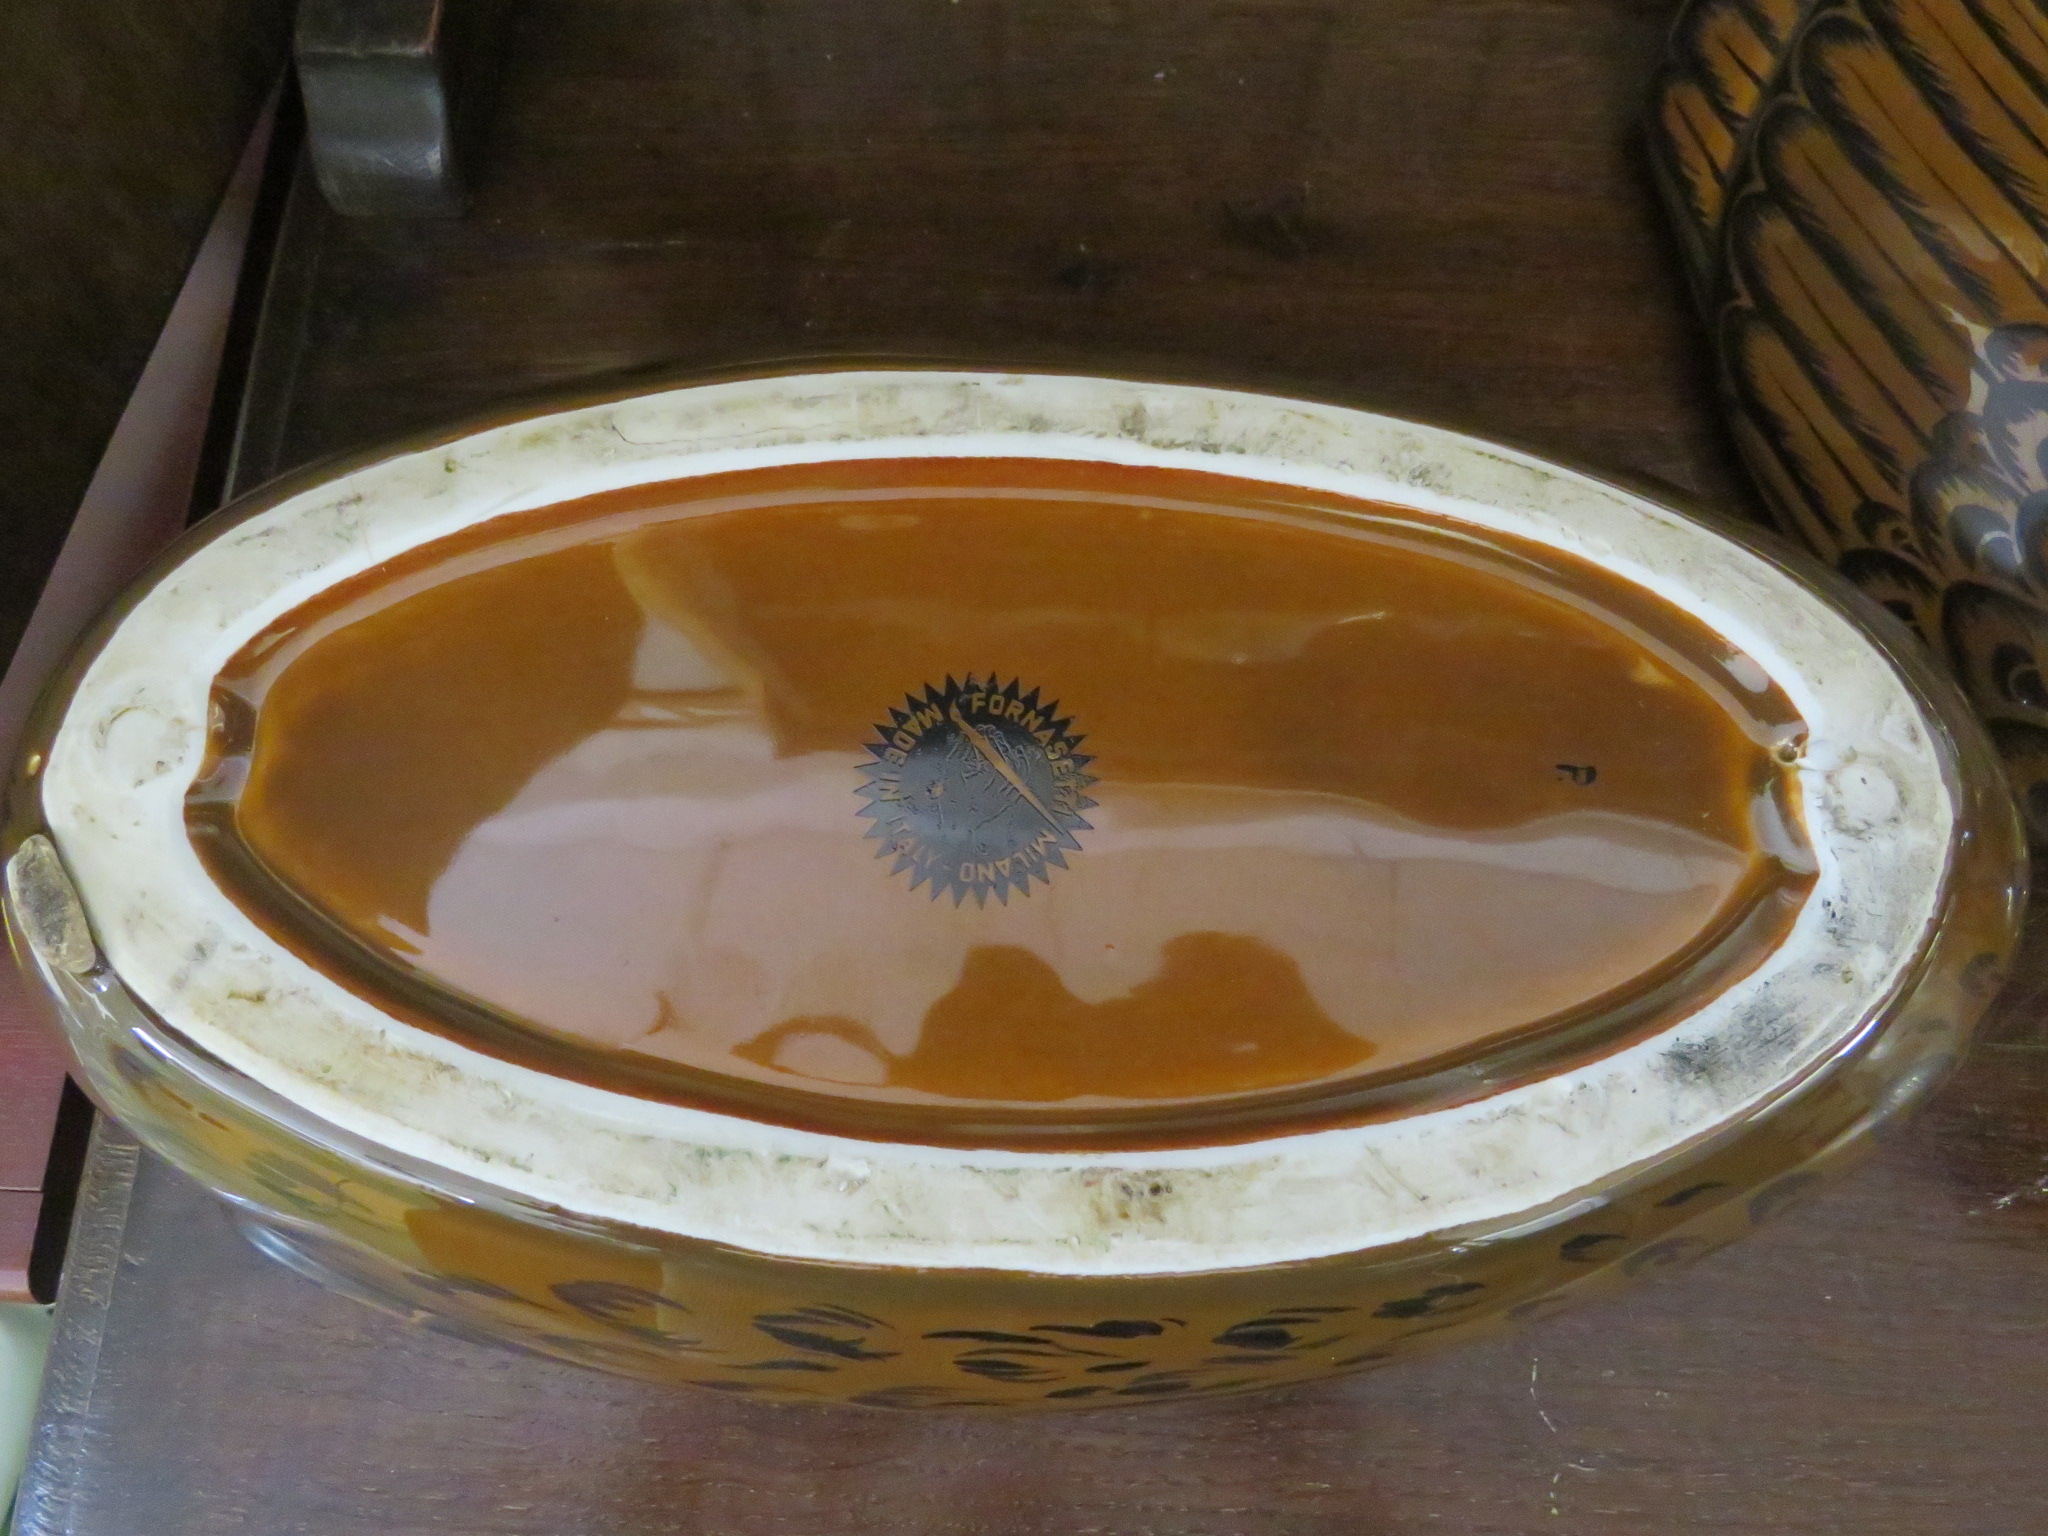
(1872, 1365)
(1432, 208)
(120, 122)
(1437, 209)
(32, 1063)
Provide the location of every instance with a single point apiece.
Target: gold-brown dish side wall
(483, 1265)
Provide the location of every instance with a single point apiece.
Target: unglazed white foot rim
(1881, 811)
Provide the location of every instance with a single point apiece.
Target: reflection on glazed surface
(1250, 797)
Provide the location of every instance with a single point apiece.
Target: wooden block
(32, 1063)
(388, 85)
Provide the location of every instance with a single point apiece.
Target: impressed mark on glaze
(977, 789)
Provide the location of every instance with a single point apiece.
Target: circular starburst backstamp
(976, 788)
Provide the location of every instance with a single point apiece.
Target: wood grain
(18, 1212)
(1435, 209)
(31, 1073)
(1872, 1363)
(121, 123)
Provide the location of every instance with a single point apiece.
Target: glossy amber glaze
(1003, 787)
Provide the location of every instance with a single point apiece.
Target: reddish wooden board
(31, 1075)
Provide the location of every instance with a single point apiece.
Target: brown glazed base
(483, 1265)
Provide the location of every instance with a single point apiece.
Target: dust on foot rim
(953, 836)
(1876, 771)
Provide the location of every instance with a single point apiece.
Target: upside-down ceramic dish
(958, 888)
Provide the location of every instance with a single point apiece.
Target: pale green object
(24, 1340)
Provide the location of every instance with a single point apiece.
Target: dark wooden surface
(1872, 1365)
(1433, 208)
(31, 1073)
(120, 122)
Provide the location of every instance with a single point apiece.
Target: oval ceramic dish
(1070, 1250)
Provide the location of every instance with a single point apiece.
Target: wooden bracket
(391, 90)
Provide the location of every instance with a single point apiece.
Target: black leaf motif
(1279, 1330)
(986, 1336)
(1002, 1368)
(1587, 1247)
(1159, 1385)
(607, 1301)
(1430, 1302)
(1690, 1192)
(1115, 1328)
(781, 1327)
